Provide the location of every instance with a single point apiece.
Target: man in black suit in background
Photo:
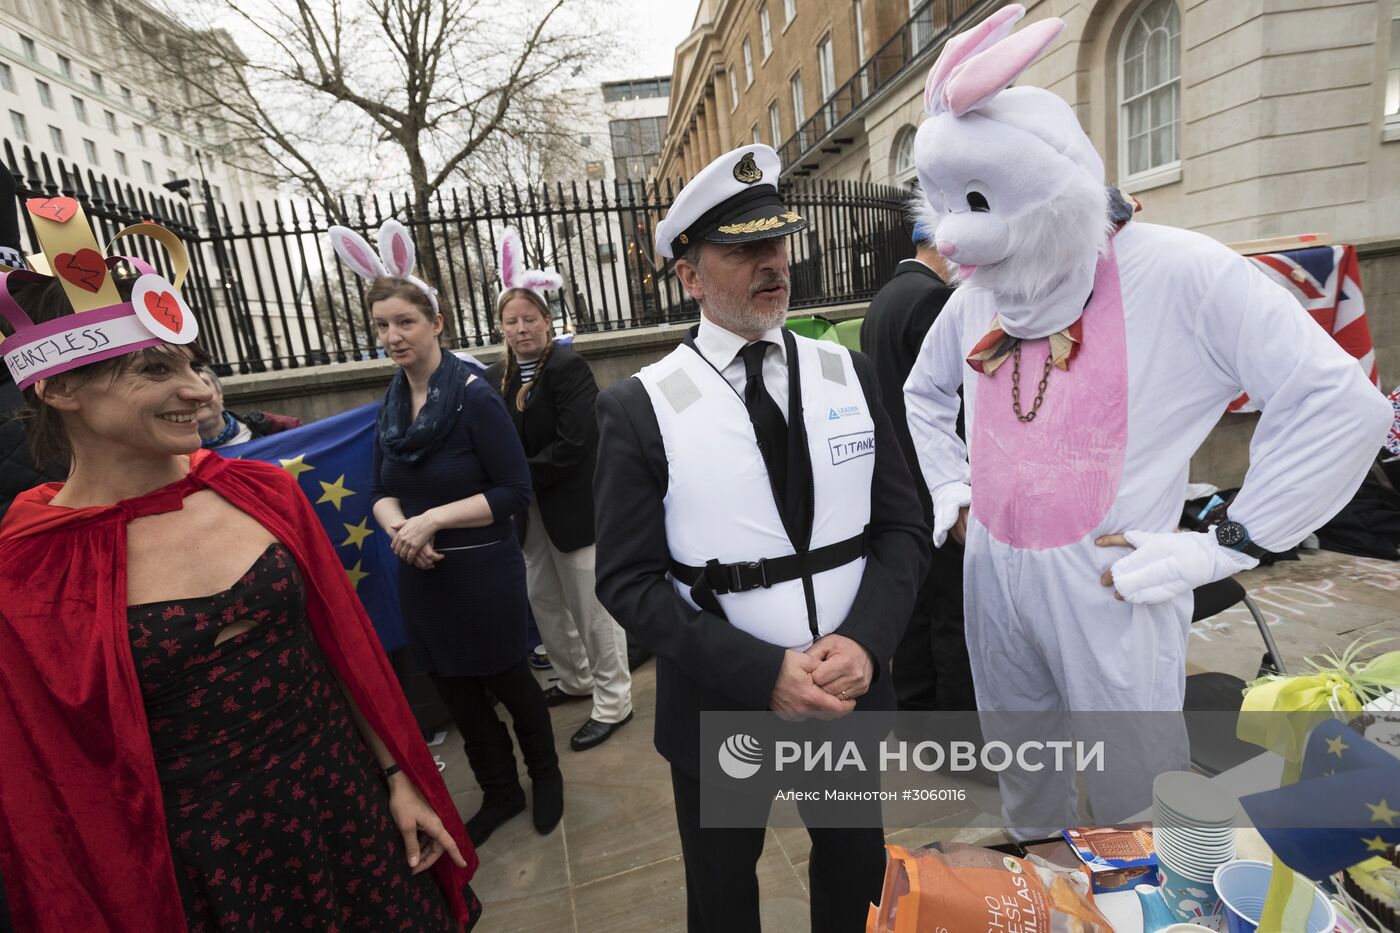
(704, 457)
(931, 667)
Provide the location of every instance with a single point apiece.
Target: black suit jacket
(559, 430)
(703, 662)
(899, 318)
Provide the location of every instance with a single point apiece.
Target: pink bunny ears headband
(976, 65)
(396, 256)
(510, 266)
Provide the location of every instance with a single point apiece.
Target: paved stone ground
(614, 863)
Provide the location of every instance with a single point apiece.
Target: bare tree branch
(330, 92)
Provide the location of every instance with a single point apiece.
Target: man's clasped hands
(826, 679)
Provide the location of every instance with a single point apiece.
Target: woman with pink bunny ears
(449, 477)
(551, 395)
(1094, 356)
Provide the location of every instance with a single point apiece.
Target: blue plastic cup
(1243, 886)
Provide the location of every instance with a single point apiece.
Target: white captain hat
(732, 200)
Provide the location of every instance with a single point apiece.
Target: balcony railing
(912, 44)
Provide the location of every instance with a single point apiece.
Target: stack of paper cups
(1193, 827)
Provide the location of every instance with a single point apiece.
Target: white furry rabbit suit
(1143, 334)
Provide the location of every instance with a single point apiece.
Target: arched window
(904, 173)
(1149, 88)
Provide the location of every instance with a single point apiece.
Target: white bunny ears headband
(396, 256)
(510, 266)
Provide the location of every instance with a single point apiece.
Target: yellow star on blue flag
(357, 533)
(356, 574)
(334, 493)
(1381, 813)
(296, 465)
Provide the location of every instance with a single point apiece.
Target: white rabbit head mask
(396, 256)
(1015, 183)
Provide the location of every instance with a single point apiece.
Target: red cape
(83, 844)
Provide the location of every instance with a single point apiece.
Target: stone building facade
(71, 88)
(1242, 119)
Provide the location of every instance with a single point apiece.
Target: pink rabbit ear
(983, 76)
(541, 280)
(965, 45)
(355, 252)
(510, 261)
(396, 248)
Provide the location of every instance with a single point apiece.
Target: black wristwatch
(1233, 535)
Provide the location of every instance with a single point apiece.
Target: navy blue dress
(467, 616)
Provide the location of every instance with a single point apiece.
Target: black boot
(535, 733)
(492, 760)
(547, 807)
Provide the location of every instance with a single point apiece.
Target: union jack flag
(1326, 280)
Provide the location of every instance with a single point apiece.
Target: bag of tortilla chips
(969, 889)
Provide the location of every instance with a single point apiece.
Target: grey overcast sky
(654, 29)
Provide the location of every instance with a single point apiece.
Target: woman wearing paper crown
(551, 395)
(200, 730)
(1095, 356)
(449, 477)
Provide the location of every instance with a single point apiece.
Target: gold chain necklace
(1016, 385)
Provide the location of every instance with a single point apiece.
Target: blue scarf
(411, 440)
(223, 437)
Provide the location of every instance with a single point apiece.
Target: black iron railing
(912, 44)
(269, 293)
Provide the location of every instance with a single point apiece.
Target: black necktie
(767, 417)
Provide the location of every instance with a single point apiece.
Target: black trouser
(486, 739)
(930, 667)
(845, 871)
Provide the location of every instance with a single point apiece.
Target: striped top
(527, 369)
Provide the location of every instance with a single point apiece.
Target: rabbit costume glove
(1173, 326)
(948, 504)
(1164, 566)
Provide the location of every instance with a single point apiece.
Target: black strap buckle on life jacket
(717, 579)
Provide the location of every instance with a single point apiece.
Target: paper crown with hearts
(103, 325)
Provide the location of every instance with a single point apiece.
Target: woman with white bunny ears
(551, 394)
(1094, 359)
(449, 477)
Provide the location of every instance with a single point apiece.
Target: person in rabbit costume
(1095, 354)
(449, 477)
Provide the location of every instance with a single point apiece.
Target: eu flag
(332, 461)
(1343, 809)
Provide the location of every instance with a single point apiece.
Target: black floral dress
(277, 817)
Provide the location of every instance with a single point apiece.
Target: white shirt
(721, 348)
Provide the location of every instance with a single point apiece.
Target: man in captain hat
(757, 528)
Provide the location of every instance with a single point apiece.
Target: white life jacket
(720, 501)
